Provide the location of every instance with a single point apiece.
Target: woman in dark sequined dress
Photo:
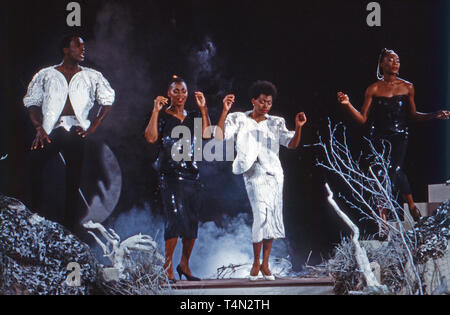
(390, 103)
(179, 177)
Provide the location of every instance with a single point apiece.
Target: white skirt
(265, 192)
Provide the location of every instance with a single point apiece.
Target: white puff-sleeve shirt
(257, 141)
(49, 90)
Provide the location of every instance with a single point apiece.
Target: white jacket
(257, 141)
(49, 90)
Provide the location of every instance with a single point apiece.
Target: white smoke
(135, 221)
(140, 220)
(231, 245)
(113, 48)
(204, 64)
(204, 56)
(216, 247)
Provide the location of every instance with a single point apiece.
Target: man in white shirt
(59, 99)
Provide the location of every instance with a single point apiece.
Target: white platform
(438, 193)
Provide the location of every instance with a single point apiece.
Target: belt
(67, 122)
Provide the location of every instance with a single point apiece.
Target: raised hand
(159, 103)
(443, 114)
(228, 102)
(300, 119)
(200, 99)
(40, 139)
(343, 98)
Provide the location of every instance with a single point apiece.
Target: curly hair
(262, 87)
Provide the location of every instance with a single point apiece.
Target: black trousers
(71, 146)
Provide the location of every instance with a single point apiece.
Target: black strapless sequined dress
(389, 121)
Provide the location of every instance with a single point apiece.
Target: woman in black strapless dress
(390, 103)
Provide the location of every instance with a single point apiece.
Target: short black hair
(262, 87)
(175, 79)
(66, 40)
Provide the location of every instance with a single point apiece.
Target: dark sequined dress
(389, 121)
(179, 179)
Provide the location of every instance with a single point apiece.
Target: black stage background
(309, 49)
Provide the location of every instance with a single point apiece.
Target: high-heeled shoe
(171, 281)
(188, 278)
(268, 277)
(415, 213)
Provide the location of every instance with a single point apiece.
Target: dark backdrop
(309, 49)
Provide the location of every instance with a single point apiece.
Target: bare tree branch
(372, 191)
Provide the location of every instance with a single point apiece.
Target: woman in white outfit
(258, 137)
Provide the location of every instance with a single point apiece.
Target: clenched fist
(343, 98)
(300, 119)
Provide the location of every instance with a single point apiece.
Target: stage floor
(281, 286)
